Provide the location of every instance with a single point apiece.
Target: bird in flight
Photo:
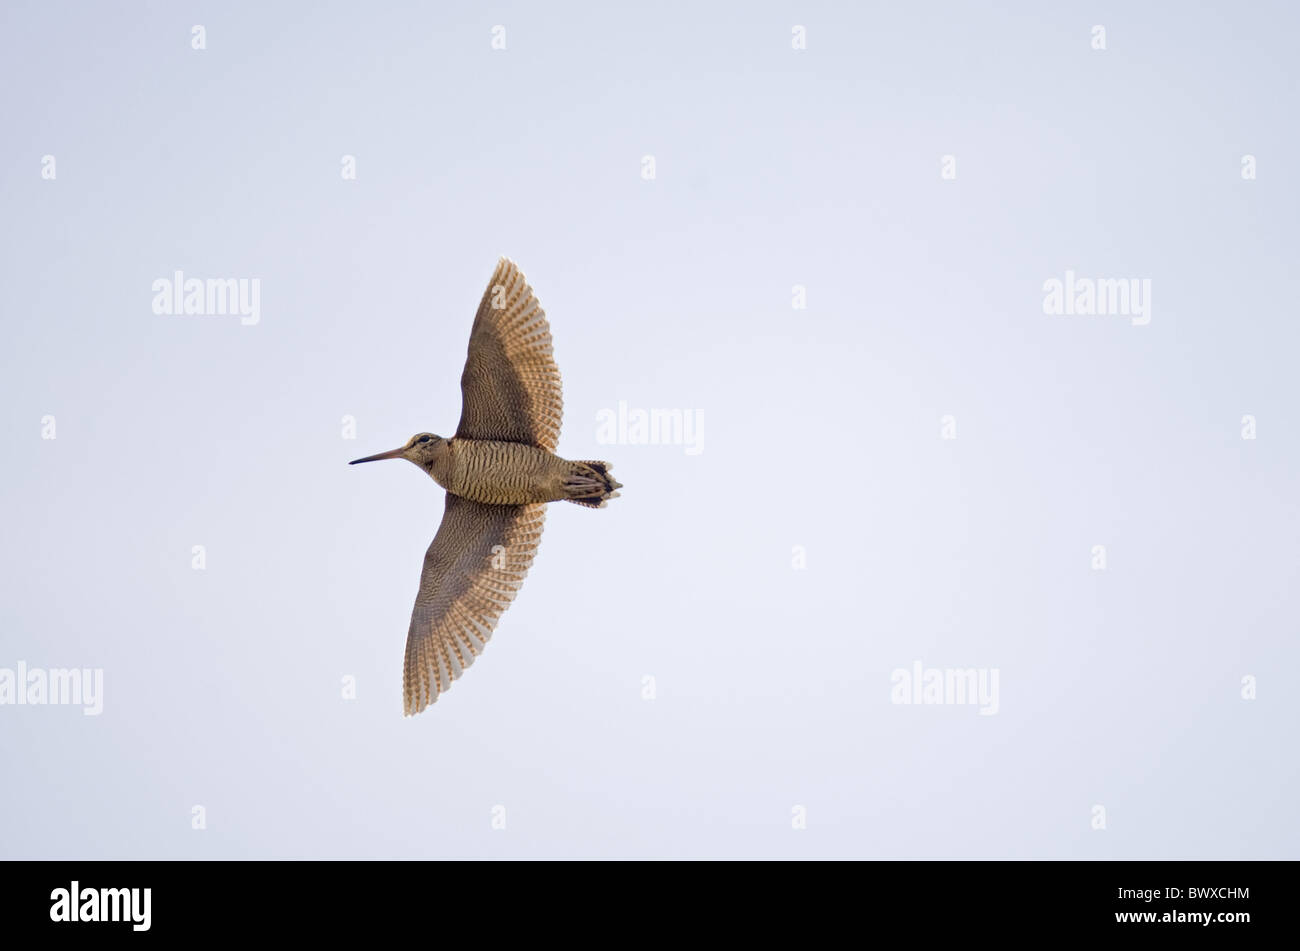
(499, 470)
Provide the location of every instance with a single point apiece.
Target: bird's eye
(423, 439)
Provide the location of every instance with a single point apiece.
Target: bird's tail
(590, 484)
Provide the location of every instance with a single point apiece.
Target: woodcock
(499, 470)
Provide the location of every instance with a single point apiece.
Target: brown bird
(499, 470)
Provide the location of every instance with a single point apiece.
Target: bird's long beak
(391, 454)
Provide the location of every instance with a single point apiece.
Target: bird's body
(499, 470)
(508, 473)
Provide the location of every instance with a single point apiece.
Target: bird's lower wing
(511, 386)
(473, 568)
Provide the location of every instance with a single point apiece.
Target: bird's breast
(501, 473)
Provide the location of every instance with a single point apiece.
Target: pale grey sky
(822, 440)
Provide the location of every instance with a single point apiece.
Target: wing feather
(511, 386)
(472, 571)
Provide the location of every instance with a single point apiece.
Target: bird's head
(420, 449)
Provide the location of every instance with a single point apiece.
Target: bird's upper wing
(473, 568)
(511, 385)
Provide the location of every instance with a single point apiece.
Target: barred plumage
(499, 470)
